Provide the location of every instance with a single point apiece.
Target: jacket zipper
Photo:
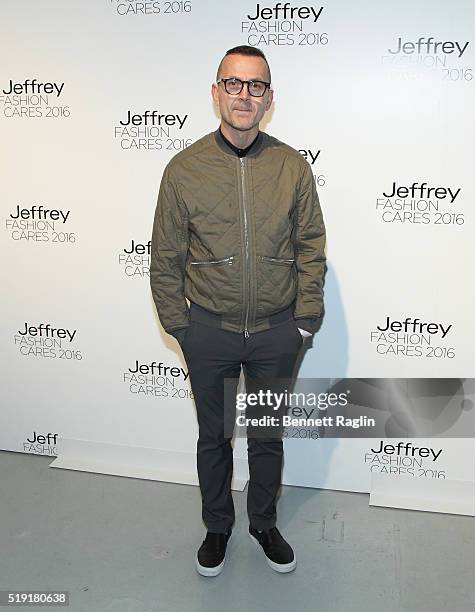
(246, 246)
(213, 261)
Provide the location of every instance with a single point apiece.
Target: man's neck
(241, 140)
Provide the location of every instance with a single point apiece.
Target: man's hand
(308, 325)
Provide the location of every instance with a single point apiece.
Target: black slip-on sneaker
(278, 552)
(211, 554)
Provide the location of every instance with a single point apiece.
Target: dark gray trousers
(213, 354)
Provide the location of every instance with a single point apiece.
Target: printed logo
(157, 380)
(283, 24)
(135, 259)
(311, 155)
(41, 444)
(152, 131)
(40, 224)
(404, 458)
(426, 52)
(138, 7)
(33, 99)
(420, 204)
(412, 337)
(47, 341)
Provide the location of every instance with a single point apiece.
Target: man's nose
(245, 95)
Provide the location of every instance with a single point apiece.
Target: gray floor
(124, 545)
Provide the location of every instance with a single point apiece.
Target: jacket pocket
(276, 283)
(277, 260)
(214, 262)
(215, 284)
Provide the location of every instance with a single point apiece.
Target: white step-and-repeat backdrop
(95, 99)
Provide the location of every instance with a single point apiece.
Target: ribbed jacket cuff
(310, 324)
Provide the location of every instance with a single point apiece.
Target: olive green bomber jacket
(243, 238)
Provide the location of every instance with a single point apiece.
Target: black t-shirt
(239, 152)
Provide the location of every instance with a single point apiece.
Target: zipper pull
(246, 334)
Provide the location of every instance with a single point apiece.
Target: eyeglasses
(234, 86)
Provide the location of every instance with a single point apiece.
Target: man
(238, 231)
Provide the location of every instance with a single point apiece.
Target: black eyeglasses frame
(224, 81)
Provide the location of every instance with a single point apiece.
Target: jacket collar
(254, 150)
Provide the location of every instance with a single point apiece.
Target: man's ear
(270, 99)
(214, 93)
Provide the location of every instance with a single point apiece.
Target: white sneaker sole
(282, 568)
(210, 572)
